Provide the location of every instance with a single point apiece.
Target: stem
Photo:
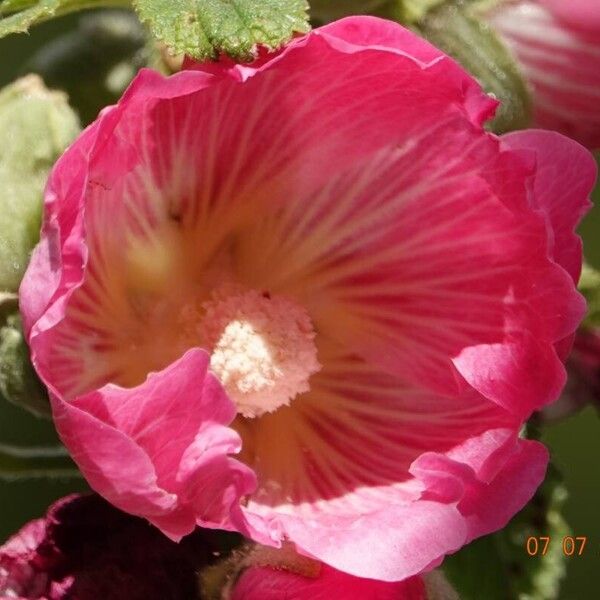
(19, 462)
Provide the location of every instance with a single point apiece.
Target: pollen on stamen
(262, 348)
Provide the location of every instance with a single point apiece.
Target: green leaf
(17, 16)
(455, 29)
(36, 462)
(19, 383)
(206, 28)
(36, 126)
(498, 567)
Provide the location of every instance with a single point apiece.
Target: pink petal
(147, 148)
(580, 13)
(63, 196)
(366, 33)
(263, 583)
(415, 536)
(467, 492)
(564, 179)
(556, 45)
(177, 163)
(305, 447)
(495, 473)
(60, 252)
(150, 450)
(353, 34)
(521, 374)
(418, 301)
(415, 473)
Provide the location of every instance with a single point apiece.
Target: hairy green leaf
(36, 126)
(206, 28)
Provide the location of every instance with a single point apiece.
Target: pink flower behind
(381, 288)
(556, 43)
(255, 572)
(583, 14)
(23, 573)
(264, 583)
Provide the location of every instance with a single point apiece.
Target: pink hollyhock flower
(86, 549)
(265, 583)
(321, 261)
(261, 573)
(557, 45)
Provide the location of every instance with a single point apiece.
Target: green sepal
(454, 28)
(36, 125)
(19, 383)
(204, 29)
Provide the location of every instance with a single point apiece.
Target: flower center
(262, 348)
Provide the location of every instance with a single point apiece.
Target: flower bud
(555, 43)
(263, 573)
(454, 28)
(18, 381)
(36, 126)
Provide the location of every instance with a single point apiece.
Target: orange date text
(571, 545)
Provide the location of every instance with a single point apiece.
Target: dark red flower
(85, 549)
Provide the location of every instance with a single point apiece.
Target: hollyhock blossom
(257, 572)
(86, 549)
(320, 261)
(557, 46)
(264, 583)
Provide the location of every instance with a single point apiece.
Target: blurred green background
(575, 442)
